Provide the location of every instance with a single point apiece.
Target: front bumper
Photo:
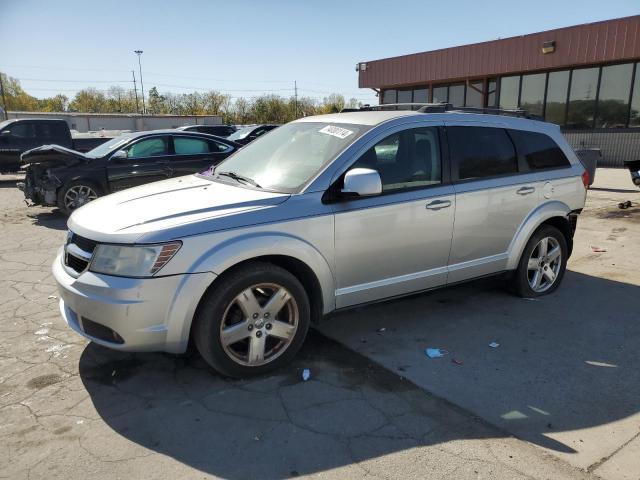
(149, 314)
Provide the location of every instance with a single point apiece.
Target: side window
(539, 150)
(190, 146)
(217, 147)
(481, 152)
(405, 160)
(150, 147)
(23, 131)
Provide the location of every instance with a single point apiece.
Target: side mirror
(362, 182)
(119, 155)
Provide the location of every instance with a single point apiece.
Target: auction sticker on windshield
(335, 131)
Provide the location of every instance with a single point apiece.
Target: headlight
(132, 261)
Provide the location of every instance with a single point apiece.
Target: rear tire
(253, 321)
(75, 194)
(542, 264)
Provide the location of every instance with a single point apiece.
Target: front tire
(253, 321)
(542, 264)
(76, 194)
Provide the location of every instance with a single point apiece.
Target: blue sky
(245, 47)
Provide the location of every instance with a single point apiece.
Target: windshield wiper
(240, 178)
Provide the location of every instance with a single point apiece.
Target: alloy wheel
(259, 324)
(544, 264)
(78, 195)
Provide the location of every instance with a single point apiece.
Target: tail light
(585, 179)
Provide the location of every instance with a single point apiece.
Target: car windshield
(288, 157)
(5, 123)
(243, 132)
(108, 147)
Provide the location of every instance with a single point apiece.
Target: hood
(52, 155)
(171, 209)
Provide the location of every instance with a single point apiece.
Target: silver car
(323, 213)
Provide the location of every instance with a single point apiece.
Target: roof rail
(443, 107)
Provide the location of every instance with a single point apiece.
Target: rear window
(481, 152)
(539, 150)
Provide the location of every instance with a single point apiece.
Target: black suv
(58, 176)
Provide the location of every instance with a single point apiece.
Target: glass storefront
(592, 97)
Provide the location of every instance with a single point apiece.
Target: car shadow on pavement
(53, 219)
(565, 362)
(274, 426)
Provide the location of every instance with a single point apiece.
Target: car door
(397, 242)
(196, 154)
(494, 195)
(19, 137)
(147, 161)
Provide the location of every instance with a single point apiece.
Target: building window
(440, 94)
(456, 95)
(613, 98)
(475, 94)
(421, 95)
(557, 97)
(532, 93)
(509, 90)
(492, 85)
(389, 96)
(404, 96)
(634, 120)
(582, 98)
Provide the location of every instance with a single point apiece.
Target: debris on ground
(380, 330)
(598, 249)
(494, 344)
(52, 297)
(624, 205)
(306, 374)
(456, 361)
(435, 352)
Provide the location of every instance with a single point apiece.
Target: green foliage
(261, 109)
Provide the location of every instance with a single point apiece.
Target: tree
(57, 103)
(155, 102)
(89, 100)
(17, 99)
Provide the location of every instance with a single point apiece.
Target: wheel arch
(551, 213)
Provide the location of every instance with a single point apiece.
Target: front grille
(75, 260)
(100, 332)
(83, 243)
(77, 264)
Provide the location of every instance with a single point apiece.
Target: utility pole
(135, 89)
(139, 53)
(295, 87)
(4, 99)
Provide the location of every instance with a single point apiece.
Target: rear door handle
(525, 190)
(438, 204)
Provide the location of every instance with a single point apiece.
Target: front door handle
(438, 204)
(525, 190)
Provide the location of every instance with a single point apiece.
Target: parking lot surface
(564, 379)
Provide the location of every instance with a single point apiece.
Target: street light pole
(139, 53)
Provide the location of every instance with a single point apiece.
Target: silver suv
(321, 214)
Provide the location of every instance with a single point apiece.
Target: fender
(246, 247)
(537, 216)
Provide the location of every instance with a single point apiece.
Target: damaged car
(59, 176)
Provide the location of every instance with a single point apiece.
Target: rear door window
(190, 146)
(539, 150)
(481, 152)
